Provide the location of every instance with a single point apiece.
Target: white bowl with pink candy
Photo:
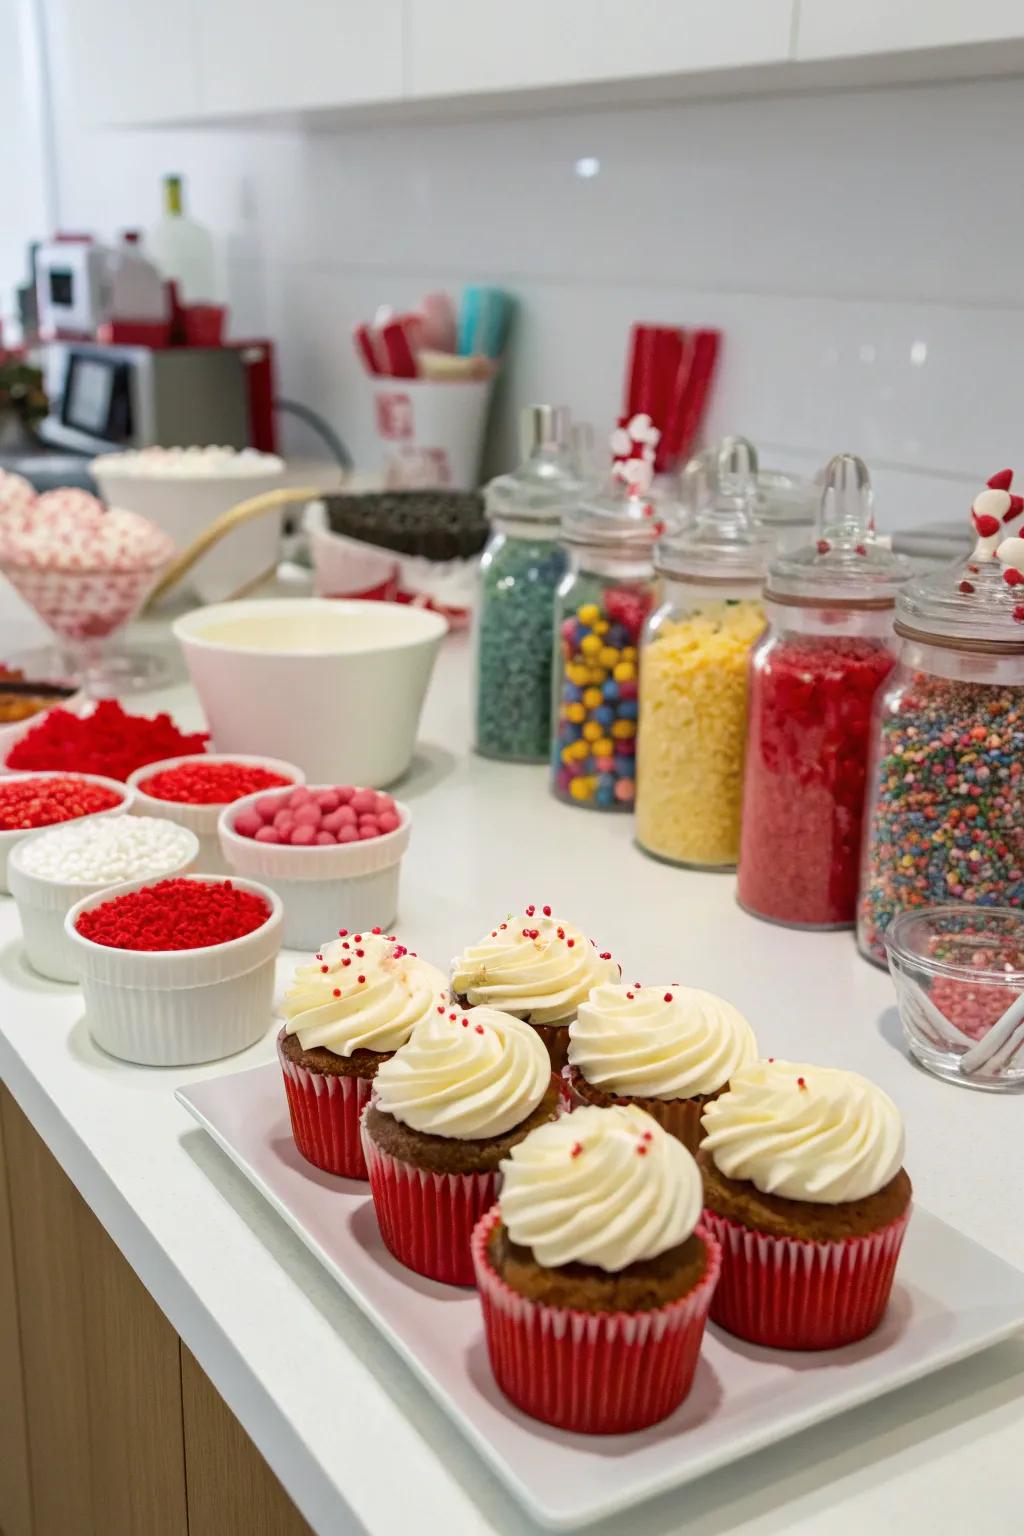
(326, 849)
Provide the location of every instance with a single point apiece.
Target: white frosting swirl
(465, 1075)
(536, 967)
(659, 1042)
(606, 1187)
(805, 1133)
(362, 993)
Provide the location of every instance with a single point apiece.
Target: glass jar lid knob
(847, 512)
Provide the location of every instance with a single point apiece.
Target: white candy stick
(1004, 1038)
(948, 1031)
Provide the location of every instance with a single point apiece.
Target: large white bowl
(336, 686)
(184, 505)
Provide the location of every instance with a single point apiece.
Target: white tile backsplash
(860, 250)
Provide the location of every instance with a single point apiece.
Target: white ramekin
(202, 819)
(352, 885)
(9, 840)
(176, 1008)
(44, 904)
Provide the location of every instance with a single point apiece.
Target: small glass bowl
(959, 974)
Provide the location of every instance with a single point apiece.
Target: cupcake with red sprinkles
(346, 1013)
(596, 1271)
(805, 1190)
(537, 967)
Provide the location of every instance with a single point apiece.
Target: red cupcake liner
(679, 1117)
(325, 1111)
(798, 1293)
(426, 1219)
(596, 1373)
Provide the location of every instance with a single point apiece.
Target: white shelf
(344, 1425)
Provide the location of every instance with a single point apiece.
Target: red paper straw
(707, 345)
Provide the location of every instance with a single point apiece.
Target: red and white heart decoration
(992, 511)
(633, 444)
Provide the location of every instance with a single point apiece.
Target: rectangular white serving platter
(951, 1299)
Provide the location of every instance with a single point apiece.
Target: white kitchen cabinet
(287, 55)
(459, 47)
(843, 28)
(132, 60)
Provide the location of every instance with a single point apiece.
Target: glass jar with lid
(603, 601)
(814, 674)
(520, 569)
(943, 819)
(693, 678)
(786, 504)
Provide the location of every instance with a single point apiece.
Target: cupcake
(805, 1191)
(595, 1273)
(446, 1109)
(667, 1049)
(346, 1012)
(536, 967)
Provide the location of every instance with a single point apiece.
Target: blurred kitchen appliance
(103, 398)
(87, 291)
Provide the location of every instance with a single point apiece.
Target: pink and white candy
(992, 511)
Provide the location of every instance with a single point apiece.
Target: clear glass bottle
(520, 569)
(943, 819)
(693, 677)
(603, 601)
(814, 673)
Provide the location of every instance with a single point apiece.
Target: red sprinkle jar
(813, 679)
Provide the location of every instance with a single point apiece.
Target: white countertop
(356, 1441)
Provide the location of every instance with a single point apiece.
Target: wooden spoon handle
(234, 517)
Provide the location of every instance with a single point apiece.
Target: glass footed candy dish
(86, 571)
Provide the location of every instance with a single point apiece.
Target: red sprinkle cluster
(175, 914)
(319, 817)
(107, 742)
(41, 802)
(202, 783)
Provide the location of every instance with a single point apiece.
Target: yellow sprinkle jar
(693, 675)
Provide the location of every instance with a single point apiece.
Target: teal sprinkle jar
(520, 572)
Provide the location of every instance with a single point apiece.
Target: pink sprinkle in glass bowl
(959, 975)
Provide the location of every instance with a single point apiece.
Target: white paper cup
(44, 904)
(350, 885)
(430, 433)
(202, 819)
(9, 840)
(175, 1008)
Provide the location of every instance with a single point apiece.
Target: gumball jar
(693, 674)
(603, 600)
(520, 571)
(943, 821)
(814, 674)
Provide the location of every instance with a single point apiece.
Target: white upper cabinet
(844, 28)
(288, 55)
(460, 47)
(131, 60)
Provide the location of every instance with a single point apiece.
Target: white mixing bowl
(183, 505)
(334, 685)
